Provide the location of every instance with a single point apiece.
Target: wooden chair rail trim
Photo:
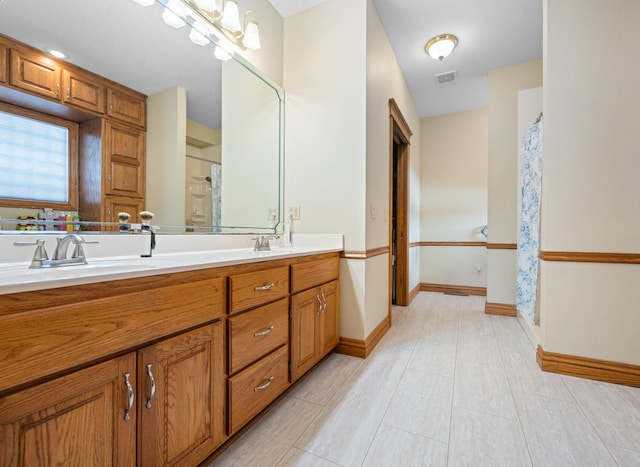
(590, 257)
(500, 309)
(502, 246)
(454, 289)
(590, 368)
(356, 254)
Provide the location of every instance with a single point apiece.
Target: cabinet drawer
(256, 288)
(253, 389)
(312, 273)
(256, 333)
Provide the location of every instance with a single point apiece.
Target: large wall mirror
(213, 127)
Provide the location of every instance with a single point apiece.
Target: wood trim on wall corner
(362, 349)
(590, 257)
(500, 309)
(590, 368)
(454, 289)
(396, 114)
(355, 254)
(414, 292)
(502, 246)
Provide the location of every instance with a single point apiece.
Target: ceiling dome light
(441, 46)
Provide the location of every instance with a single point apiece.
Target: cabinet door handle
(127, 412)
(319, 305)
(263, 333)
(264, 386)
(264, 287)
(57, 89)
(68, 92)
(152, 381)
(324, 306)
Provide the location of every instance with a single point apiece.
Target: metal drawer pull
(152, 380)
(324, 299)
(264, 386)
(263, 333)
(130, 390)
(264, 287)
(319, 305)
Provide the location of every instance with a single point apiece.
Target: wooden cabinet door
(181, 398)
(78, 419)
(83, 90)
(124, 164)
(127, 106)
(329, 318)
(115, 204)
(4, 64)
(35, 73)
(305, 308)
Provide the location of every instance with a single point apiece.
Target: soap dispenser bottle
(286, 237)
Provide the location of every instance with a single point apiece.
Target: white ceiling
(491, 33)
(106, 37)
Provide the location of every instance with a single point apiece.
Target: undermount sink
(93, 267)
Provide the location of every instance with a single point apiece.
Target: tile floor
(447, 386)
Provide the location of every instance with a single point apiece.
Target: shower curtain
(528, 241)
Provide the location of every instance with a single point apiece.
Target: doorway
(399, 137)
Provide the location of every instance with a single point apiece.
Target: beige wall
(325, 130)
(454, 197)
(590, 178)
(165, 164)
(503, 87)
(337, 143)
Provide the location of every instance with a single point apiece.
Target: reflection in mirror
(213, 158)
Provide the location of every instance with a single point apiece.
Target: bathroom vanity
(158, 365)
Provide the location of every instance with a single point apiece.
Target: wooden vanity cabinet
(78, 419)
(83, 90)
(4, 57)
(314, 313)
(181, 389)
(127, 105)
(35, 73)
(258, 334)
(111, 170)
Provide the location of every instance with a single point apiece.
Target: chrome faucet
(262, 242)
(41, 258)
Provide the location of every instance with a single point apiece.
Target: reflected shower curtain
(528, 241)
(216, 195)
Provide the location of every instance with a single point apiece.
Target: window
(38, 160)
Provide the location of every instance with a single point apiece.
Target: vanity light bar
(210, 24)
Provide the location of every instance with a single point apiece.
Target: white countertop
(15, 276)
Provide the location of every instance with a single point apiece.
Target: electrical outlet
(271, 213)
(294, 213)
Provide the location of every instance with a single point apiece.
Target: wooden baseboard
(454, 289)
(501, 309)
(362, 349)
(590, 368)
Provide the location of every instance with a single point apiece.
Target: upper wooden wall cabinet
(32, 71)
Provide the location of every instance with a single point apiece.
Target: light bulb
(207, 5)
(230, 17)
(198, 38)
(145, 2)
(171, 18)
(251, 38)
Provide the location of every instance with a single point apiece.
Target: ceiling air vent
(445, 78)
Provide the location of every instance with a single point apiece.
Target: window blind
(34, 159)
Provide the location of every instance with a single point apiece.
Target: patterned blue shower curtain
(528, 241)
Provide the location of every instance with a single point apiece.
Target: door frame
(399, 135)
